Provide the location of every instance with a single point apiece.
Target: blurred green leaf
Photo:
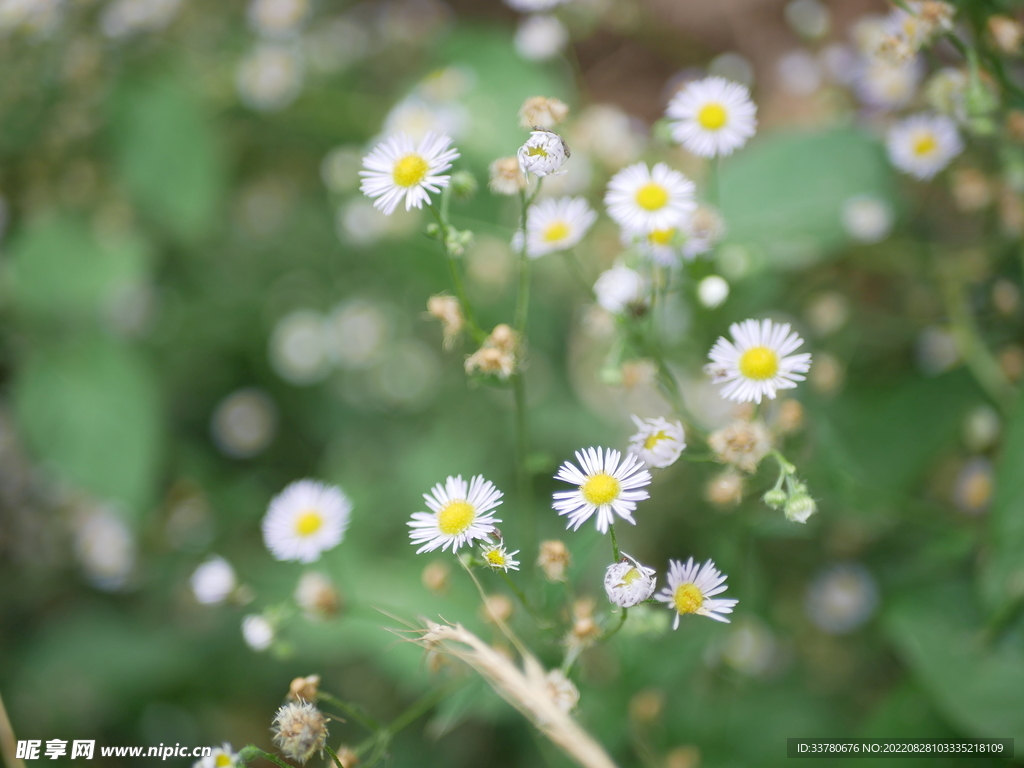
(166, 152)
(90, 410)
(784, 192)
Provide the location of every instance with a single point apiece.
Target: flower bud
(554, 559)
(1006, 32)
(304, 688)
(542, 112)
(800, 507)
(507, 178)
(775, 498)
(628, 583)
(464, 185)
(543, 154)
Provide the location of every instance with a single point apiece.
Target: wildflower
(219, 757)
(603, 485)
(491, 361)
(643, 199)
(628, 583)
(540, 36)
(621, 289)
(507, 178)
(416, 116)
(270, 77)
(659, 442)
(922, 145)
(304, 688)
(317, 596)
(554, 559)
(435, 577)
(946, 92)
(496, 558)
(841, 598)
(542, 112)
(790, 417)
(704, 229)
(866, 218)
(460, 513)
(1008, 33)
(562, 690)
(555, 224)
(713, 116)
(888, 86)
(585, 630)
(299, 729)
(257, 632)
(800, 506)
(244, 423)
(213, 581)
(398, 168)
(496, 609)
(725, 489)
(543, 153)
(277, 18)
(757, 362)
(974, 485)
(305, 520)
(692, 589)
(712, 291)
(448, 310)
(532, 6)
(638, 372)
(742, 444)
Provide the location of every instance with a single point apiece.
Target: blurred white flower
(257, 632)
(340, 169)
(213, 581)
(316, 595)
(305, 520)
(841, 598)
(105, 547)
(750, 648)
(544, 153)
(867, 218)
(298, 352)
(621, 289)
(562, 690)
(460, 513)
(407, 375)
(888, 86)
(605, 486)
(270, 77)
(982, 427)
(659, 442)
(416, 117)
(923, 144)
(712, 291)
(758, 361)
(244, 423)
(532, 6)
(335, 44)
(713, 116)
(400, 168)
(123, 18)
(628, 583)
(946, 92)
(827, 313)
(937, 350)
(809, 18)
(357, 332)
(358, 222)
(975, 483)
(36, 17)
(642, 199)
(732, 66)
(692, 588)
(555, 224)
(506, 177)
(539, 37)
(277, 18)
(609, 134)
(799, 73)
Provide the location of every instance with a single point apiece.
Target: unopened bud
(1006, 32)
(304, 688)
(775, 498)
(800, 507)
(463, 184)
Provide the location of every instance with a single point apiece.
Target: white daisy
(620, 289)
(922, 145)
(460, 513)
(643, 199)
(496, 557)
(757, 362)
(305, 520)
(543, 153)
(662, 246)
(888, 86)
(257, 632)
(713, 116)
(603, 485)
(555, 224)
(540, 36)
(659, 441)
(398, 168)
(213, 581)
(219, 757)
(628, 583)
(691, 589)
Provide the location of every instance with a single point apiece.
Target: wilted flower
(507, 178)
(448, 310)
(317, 596)
(542, 112)
(742, 444)
(299, 730)
(725, 489)
(491, 361)
(1007, 32)
(562, 690)
(435, 576)
(554, 559)
(628, 583)
(304, 688)
(544, 153)
(496, 609)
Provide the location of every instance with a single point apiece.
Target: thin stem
(334, 756)
(610, 633)
(453, 269)
(352, 710)
(518, 592)
(8, 744)
(615, 544)
(252, 751)
(577, 271)
(420, 707)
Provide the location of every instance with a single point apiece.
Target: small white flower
(866, 218)
(398, 167)
(888, 86)
(277, 18)
(659, 442)
(417, 116)
(540, 37)
(305, 520)
(922, 145)
(628, 583)
(555, 224)
(562, 690)
(603, 485)
(691, 589)
(460, 513)
(543, 153)
(496, 557)
(620, 289)
(219, 757)
(258, 632)
(270, 78)
(643, 199)
(532, 6)
(757, 362)
(213, 581)
(713, 116)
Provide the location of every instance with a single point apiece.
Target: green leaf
(90, 411)
(784, 193)
(166, 152)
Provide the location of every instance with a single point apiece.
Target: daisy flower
(305, 520)
(555, 224)
(757, 362)
(219, 757)
(460, 513)
(398, 167)
(213, 581)
(713, 116)
(603, 485)
(922, 145)
(659, 442)
(496, 557)
(691, 589)
(627, 583)
(543, 153)
(643, 199)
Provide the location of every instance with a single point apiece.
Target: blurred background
(199, 307)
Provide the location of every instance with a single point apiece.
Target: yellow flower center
(712, 116)
(536, 152)
(661, 236)
(455, 517)
(759, 363)
(410, 170)
(925, 144)
(600, 489)
(308, 523)
(688, 598)
(494, 557)
(559, 230)
(630, 576)
(653, 440)
(651, 196)
(222, 760)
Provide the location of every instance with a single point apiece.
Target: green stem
(352, 710)
(382, 738)
(252, 751)
(610, 633)
(615, 544)
(518, 592)
(453, 269)
(334, 756)
(577, 271)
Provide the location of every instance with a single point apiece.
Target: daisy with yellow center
(400, 168)
(543, 154)
(628, 583)
(495, 556)
(712, 117)
(556, 224)
(757, 362)
(306, 519)
(692, 589)
(219, 757)
(460, 513)
(922, 145)
(603, 486)
(659, 442)
(643, 199)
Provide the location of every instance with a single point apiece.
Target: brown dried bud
(507, 178)
(542, 112)
(304, 688)
(554, 559)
